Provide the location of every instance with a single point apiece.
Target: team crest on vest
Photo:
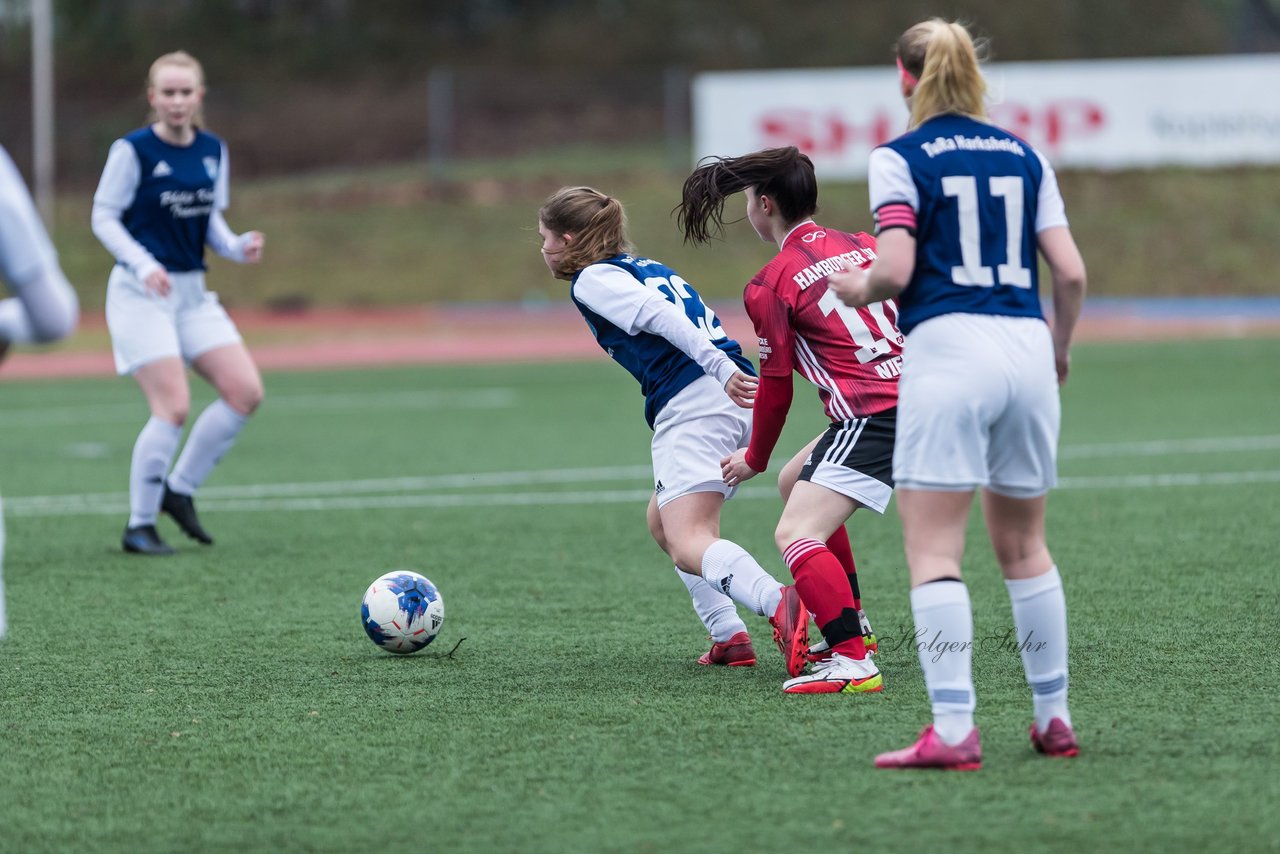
(211, 166)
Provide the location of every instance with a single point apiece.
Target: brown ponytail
(596, 222)
(783, 174)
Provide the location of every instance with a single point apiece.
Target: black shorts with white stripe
(863, 445)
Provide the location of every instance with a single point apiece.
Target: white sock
(151, 456)
(944, 641)
(716, 610)
(1040, 617)
(727, 567)
(212, 435)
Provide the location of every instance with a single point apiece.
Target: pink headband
(906, 75)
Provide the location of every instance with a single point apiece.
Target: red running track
(462, 334)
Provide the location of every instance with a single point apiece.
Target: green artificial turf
(227, 698)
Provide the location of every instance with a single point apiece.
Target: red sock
(822, 584)
(838, 544)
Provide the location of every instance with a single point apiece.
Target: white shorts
(144, 327)
(978, 406)
(695, 430)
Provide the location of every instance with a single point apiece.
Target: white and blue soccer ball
(402, 611)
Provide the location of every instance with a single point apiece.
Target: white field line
(103, 413)
(1170, 447)
(580, 475)
(117, 504)
(356, 487)
(1157, 481)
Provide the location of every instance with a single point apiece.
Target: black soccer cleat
(144, 540)
(183, 511)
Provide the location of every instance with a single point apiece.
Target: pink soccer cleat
(791, 630)
(931, 752)
(1058, 739)
(735, 652)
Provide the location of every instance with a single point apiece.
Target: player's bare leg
(231, 371)
(838, 544)
(1017, 530)
(164, 384)
(933, 531)
(811, 514)
(730, 641)
(691, 525)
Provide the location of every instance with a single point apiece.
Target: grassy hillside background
(392, 236)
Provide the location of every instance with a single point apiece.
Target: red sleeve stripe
(895, 215)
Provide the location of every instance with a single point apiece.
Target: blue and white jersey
(166, 194)
(653, 323)
(976, 196)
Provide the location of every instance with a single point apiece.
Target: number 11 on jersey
(870, 345)
(964, 189)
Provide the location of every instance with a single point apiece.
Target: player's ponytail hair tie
(905, 74)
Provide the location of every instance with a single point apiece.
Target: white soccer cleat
(838, 674)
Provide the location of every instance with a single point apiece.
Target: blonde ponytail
(944, 60)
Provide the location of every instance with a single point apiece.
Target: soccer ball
(402, 611)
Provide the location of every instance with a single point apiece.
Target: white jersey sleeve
(223, 240)
(220, 237)
(46, 307)
(116, 190)
(25, 248)
(614, 294)
(222, 185)
(120, 177)
(1050, 209)
(662, 318)
(889, 180)
(619, 298)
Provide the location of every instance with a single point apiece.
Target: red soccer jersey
(853, 356)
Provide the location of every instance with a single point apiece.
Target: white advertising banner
(1105, 114)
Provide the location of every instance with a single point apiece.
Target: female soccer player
(159, 202)
(850, 355)
(961, 207)
(45, 307)
(697, 387)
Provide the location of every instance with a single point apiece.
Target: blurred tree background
(306, 84)
(324, 104)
